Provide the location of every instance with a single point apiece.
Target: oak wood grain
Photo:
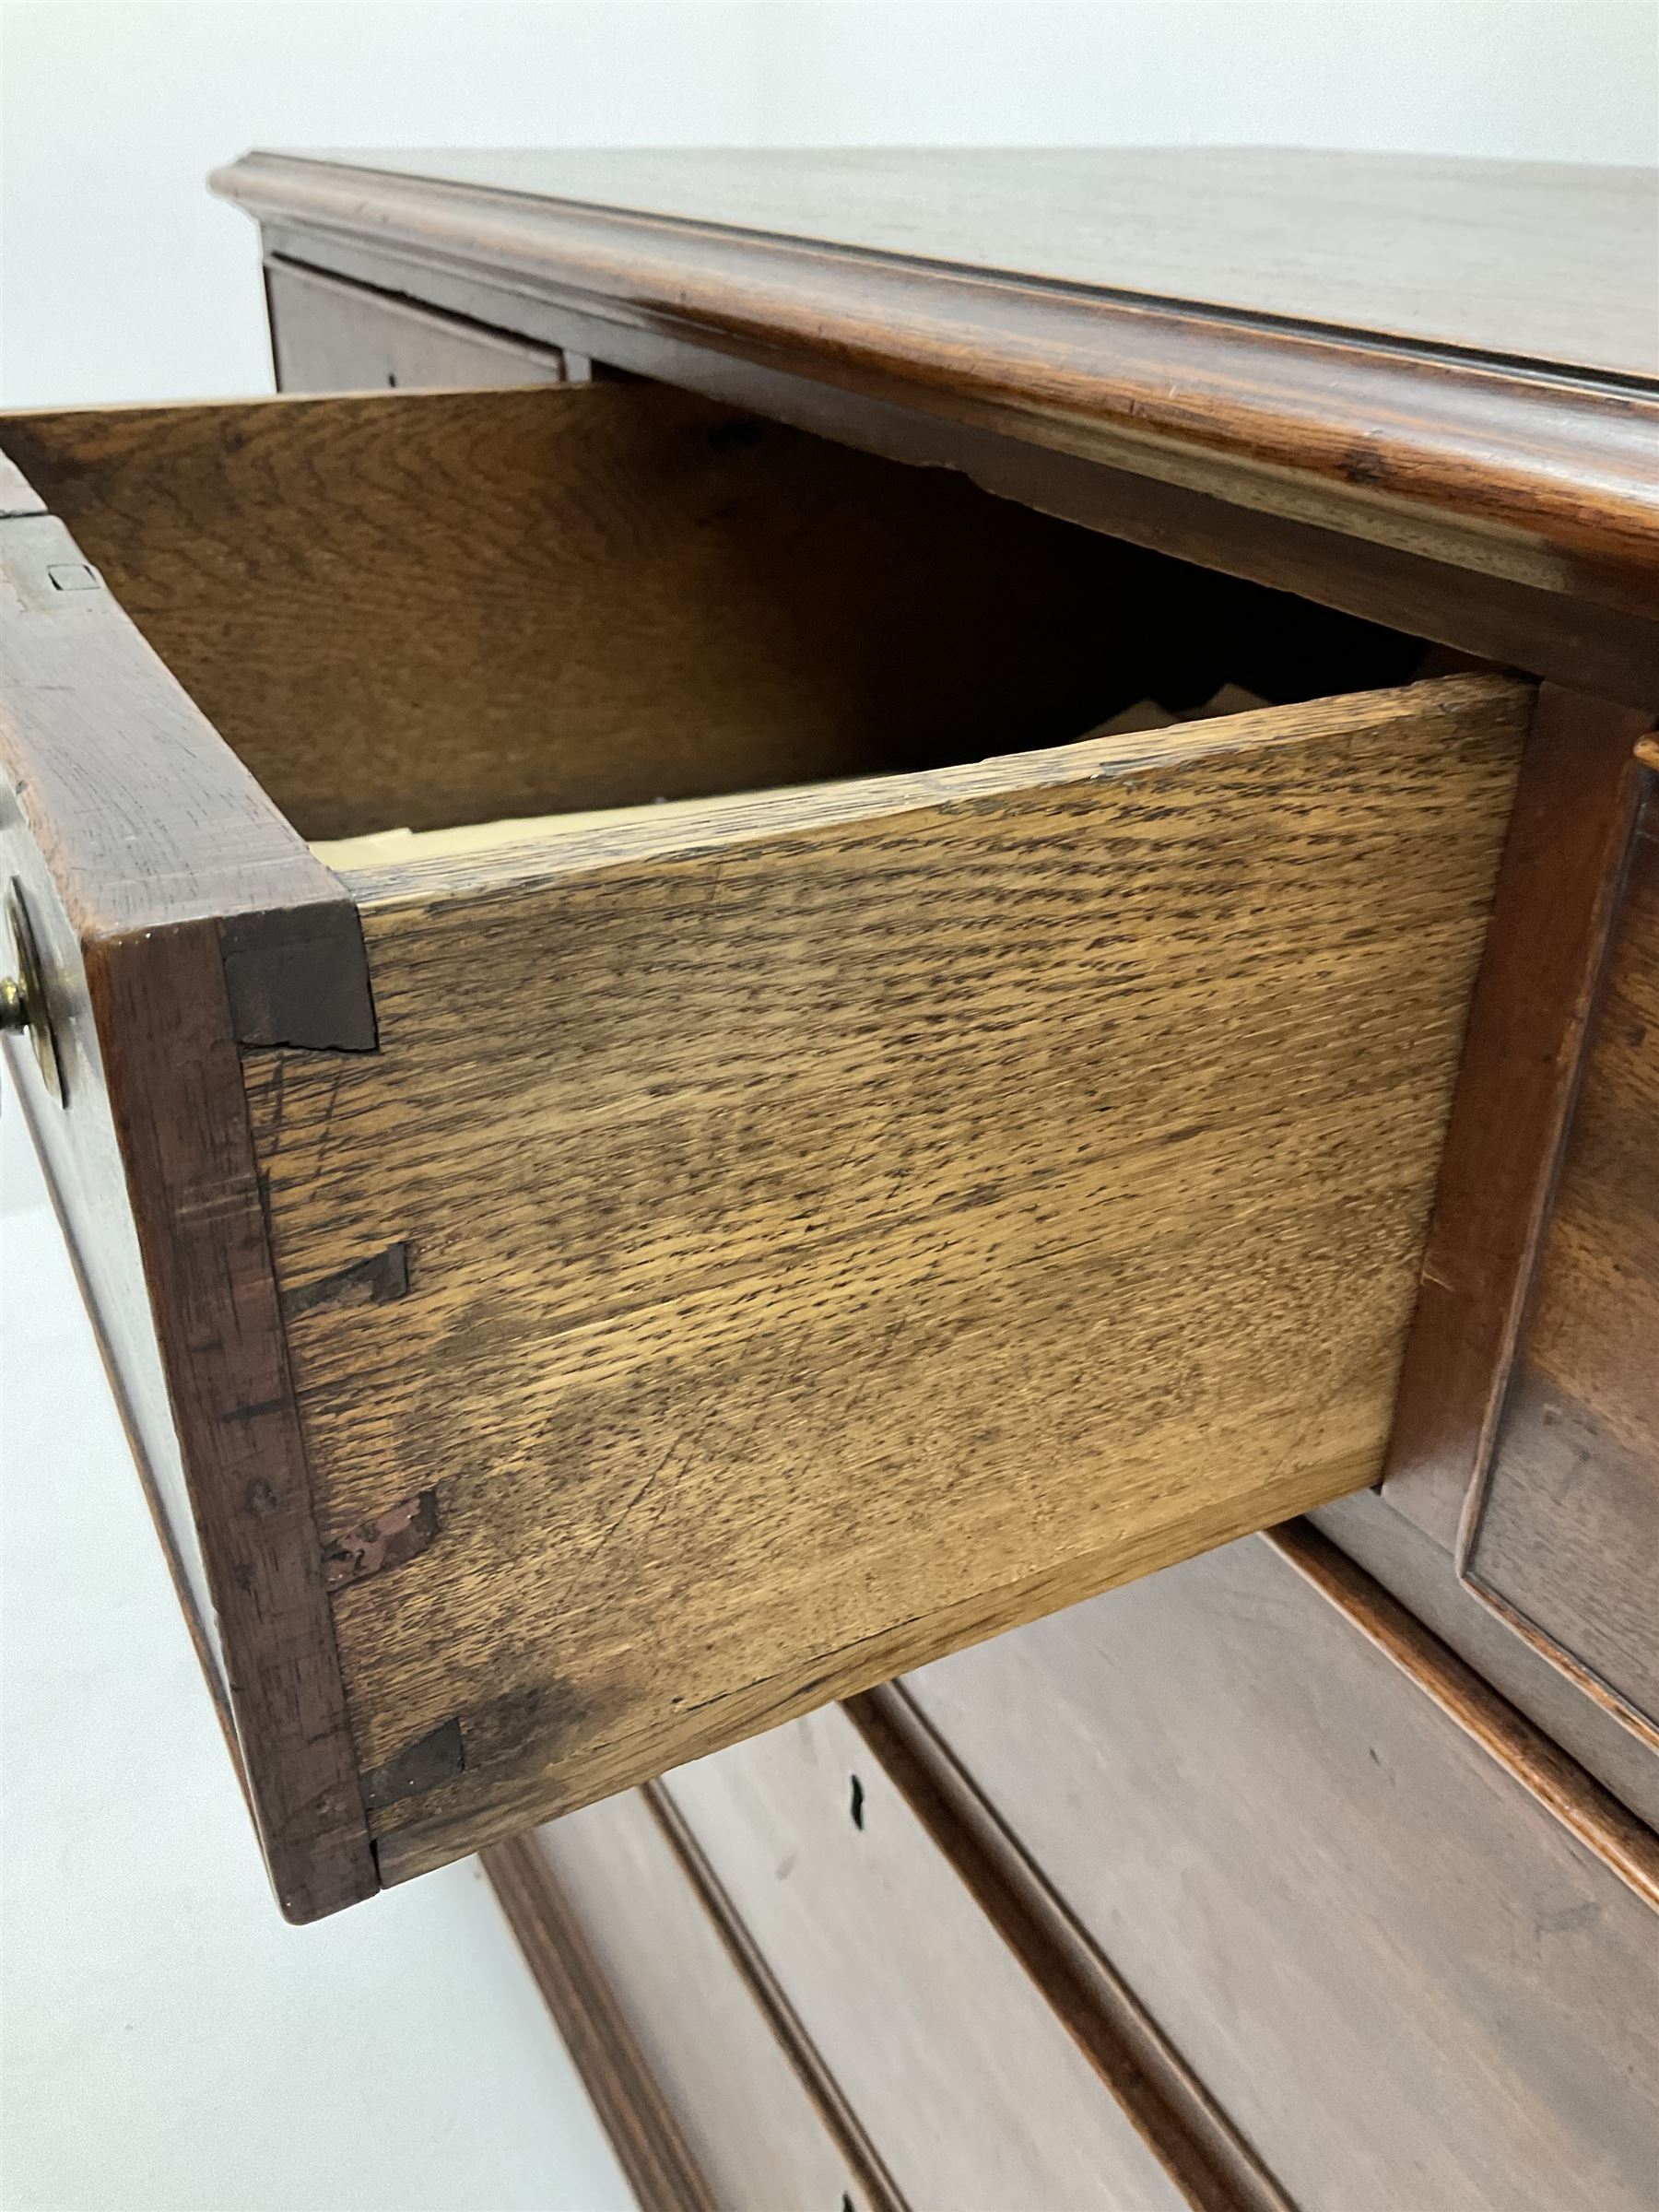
(1564, 1535)
(422, 608)
(1405, 1980)
(838, 1236)
(177, 911)
(1491, 463)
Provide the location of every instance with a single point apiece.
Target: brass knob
(23, 995)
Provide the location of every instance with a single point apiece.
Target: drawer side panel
(827, 1249)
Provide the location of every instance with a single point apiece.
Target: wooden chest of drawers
(691, 1065)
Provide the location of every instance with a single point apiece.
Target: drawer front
(1526, 1441)
(1403, 1980)
(1423, 1577)
(328, 335)
(625, 1283)
(1565, 1538)
(969, 2085)
(175, 915)
(659, 2014)
(1330, 1925)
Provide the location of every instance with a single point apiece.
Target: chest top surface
(1442, 369)
(1533, 261)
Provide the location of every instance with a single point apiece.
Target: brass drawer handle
(23, 994)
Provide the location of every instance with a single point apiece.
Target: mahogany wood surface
(967, 2081)
(1557, 898)
(1401, 1975)
(723, 2050)
(771, 1321)
(837, 2114)
(1525, 1435)
(1333, 1921)
(1422, 1575)
(1490, 460)
(1594, 647)
(179, 914)
(1564, 1536)
(328, 336)
(585, 2000)
(1192, 2139)
(1112, 1818)
(503, 1246)
(1623, 1843)
(1534, 259)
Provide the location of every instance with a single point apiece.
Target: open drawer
(588, 1287)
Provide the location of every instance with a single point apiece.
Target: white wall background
(121, 279)
(168, 2044)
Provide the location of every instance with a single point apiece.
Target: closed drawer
(703, 2077)
(1564, 1534)
(970, 2088)
(594, 1283)
(1520, 1508)
(1402, 1976)
(327, 335)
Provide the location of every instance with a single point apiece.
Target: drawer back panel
(413, 609)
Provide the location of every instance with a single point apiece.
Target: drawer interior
(410, 611)
(872, 1132)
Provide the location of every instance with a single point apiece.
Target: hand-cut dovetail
(392, 1538)
(375, 1281)
(301, 982)
(437, 1756)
